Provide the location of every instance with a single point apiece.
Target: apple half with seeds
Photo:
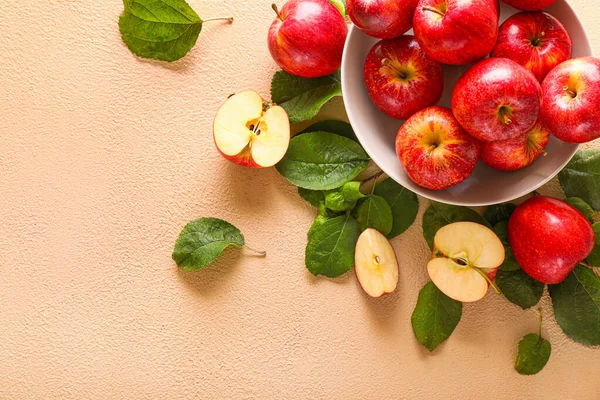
(251, 131)
(375, 263)
(466, 258)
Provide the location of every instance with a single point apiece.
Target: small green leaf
(581, 177)
(499, 212)
(322, 161)
(435, 317)
(501, 229)
(439, 215)
(594, 258)
(338, 127)
(330, 250)
(403, 203)
(351, 191)
(314, 197)
(374, 212)
(344, 198)
(202, 240)
(534, 353)
(576, 304)
(583, 207)
(303, 98)
(519, 288)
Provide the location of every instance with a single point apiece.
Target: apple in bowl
(382, 19)
(529, 5)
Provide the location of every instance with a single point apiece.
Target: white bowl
(377, 132)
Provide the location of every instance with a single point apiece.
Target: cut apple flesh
(375, 264)
(248, 128)
(463, 253)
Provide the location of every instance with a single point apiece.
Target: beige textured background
(105, 157)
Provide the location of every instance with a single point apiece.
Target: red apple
(435, 151)
(529, 5)
(535, 40)
(549, 238)
(383, 19)
(307, 38)
(401, 79)
(497, 99)
(511, 155)
(572, 100)
(455, 31)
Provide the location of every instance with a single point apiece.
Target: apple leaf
(338, 127)
(533, 355)
(314, 197)
(303, 98)
(583, 207)
(576, 304)
(323, 216)
(374, 212)
(330, 250)
(439, 215)
(581, 177)
(594, 258)
(435, 316)
(519, 288)
(202, 240)
(403, 203)
(344, 198)
(499, 212)
(322, 161)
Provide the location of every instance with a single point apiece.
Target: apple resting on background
(456, 32)
(401, 79)
(466, 257)
(549, 238)
(535, 40)
(572, 100)
(497, 99)
(375, 264)
(511, 155)
(307, 38)
(529, 5)
(250, 131)
(383, 19)
(435, 151)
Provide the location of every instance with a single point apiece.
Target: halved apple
(251, 131)
(375, 264)
(466, 257)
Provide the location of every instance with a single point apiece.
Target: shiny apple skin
(512, 155)
(309, 42)
(496, 100)
(396, 96)
(529, 5)
(435, 151)
(382, 19)
(549, 238)
(573, 120)
(535, 40)
(466, 33)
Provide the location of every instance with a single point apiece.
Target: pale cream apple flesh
(251, 131)
(463, 256)
(375, 264)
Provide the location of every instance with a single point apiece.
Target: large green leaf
(374, 212)
(403, 203)
(533, 355)
(581, 177)
(202, 240)
(435, 317)
(583, 207)
(322, 161)
(439, 215)
(338, 127)
(302, 98)
(594, 258)
(519, 288)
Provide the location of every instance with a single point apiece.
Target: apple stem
(388, 64)
(433, 10)
(230, 19)
(487, 278)
(539, 148)
(259, 252)
(570, 92)
(504, 113)
(274, 7)
(536, 193)
(541, 321)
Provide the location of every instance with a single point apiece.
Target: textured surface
(103, 160)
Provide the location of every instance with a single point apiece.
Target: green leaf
(501, 229)
(576, 304)
(322, 161)
(583, 207)
(534, 353)
(374, 212)
(344, 198)
(581, 177)
(439, 215)
(159, 29)
(435, 317)
(403, 203)
(519, 288)
(499, 212)
(202, 240)
(330, 250)
(303, 98)
(338, 127)
(510, 263)
(323, 216)
(594, 258)
(314, 197)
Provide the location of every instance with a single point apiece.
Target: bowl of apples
(470, 102)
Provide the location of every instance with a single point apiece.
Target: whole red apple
(572, 100)
(307, 38)
(549, 238)
(511, 155)
(535, 40)
(435, 151)
(497, 99)
(529, 5)
(383, 19)
(400, 78)
(456, 31)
